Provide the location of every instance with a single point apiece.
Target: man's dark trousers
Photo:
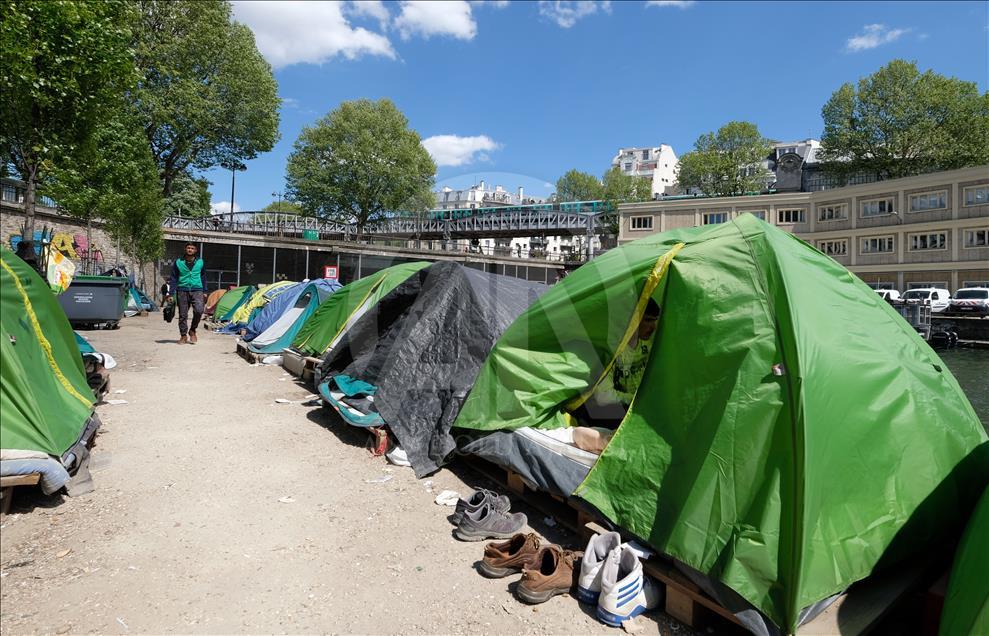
(186, 298)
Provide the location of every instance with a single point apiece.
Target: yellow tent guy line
(45, 345)
(652, 281)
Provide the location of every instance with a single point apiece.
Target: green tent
(966, 605)
(789, 423)
(280, 333)
(327, 321)
(232, 300)
(45, 400)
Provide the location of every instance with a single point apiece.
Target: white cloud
(679, 4)
(370, 9)
(873, 35)
(451, 150)
(428, 18)
(295, 32)
(566, 13)
(497, 4)
(223, 207)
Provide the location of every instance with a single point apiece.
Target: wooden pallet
(300, 366)
(247, 354)
(7, 485)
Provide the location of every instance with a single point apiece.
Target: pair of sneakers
(485, 515)
(611, 577)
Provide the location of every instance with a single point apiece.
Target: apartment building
(481, 195)
(658, 163)
(926, 230)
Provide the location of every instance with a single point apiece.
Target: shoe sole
(616, 620)
(587, 596)
(535, 598)
(480, 535)
(493, 572)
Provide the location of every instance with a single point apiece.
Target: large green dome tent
(45, 401)
(966, 604)
(789, 425)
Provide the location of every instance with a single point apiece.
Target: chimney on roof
(481, 186)
(521, 194)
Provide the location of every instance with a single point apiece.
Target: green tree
(727, 162)
(112, 177)
(190, 197)
(623, 188)
(578, 186)
(359, 163)
(899, 121)
(288, 207)
(206, 93)
(64, 66)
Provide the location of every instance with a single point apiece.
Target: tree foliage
(64, 66)
(288, 207)
(623, 188)
(899, 121)
(206, 93)
(190, 197)
(358, 163)
(727, 162)
(575, 185)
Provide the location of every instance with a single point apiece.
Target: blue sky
(517, 93)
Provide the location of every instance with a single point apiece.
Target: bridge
(577, 218)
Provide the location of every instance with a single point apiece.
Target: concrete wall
(12, 222)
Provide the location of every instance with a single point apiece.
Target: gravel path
(218, 510)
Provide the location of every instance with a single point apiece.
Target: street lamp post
(233, 166)
(278, 211)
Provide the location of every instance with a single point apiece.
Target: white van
(938, 299)
(889, 295)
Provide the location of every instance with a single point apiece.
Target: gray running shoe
(474, 503)
(488, 523)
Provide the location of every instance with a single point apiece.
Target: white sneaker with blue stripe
(625, 591)
(597, 551)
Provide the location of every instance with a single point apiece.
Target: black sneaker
(477, 500)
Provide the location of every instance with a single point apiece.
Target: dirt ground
(218, 510)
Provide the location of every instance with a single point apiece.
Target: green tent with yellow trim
(329, 319)
(791, 432)
(45, 401)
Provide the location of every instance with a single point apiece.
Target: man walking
(188, 284)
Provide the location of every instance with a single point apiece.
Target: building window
(645, 155)
(759, 214)
(938, 284)
(877, 207)
(976, 238)
(628, 166)
(881, 285)
(832, 212)
(977, 195)
(713, 218)
(790, 216)
(929, 201)
(975, 283)
(877, 245)
(928, 241)
(834, 248)
(641, 222)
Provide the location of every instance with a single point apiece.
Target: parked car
(889, 295)
(971, 300)
(938, 299)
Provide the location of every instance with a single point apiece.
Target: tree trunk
(89, 244)
(29, 199)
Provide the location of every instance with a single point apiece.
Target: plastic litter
(286, 500)
(549, 521)
(271, 360)
(283, 401)
(378, 480)
(120, 391)
(116, 402)
(447, 498)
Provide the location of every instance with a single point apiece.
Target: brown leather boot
(551, 572)
(184, 340)
(192, 337)
(509, 557)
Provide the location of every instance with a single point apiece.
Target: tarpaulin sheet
(791, 432)
(966, 604)
(422, 345)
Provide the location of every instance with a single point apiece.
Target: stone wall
(66, 229)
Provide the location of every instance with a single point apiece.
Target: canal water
(971, 368)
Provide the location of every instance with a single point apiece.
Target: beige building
(928, 230)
